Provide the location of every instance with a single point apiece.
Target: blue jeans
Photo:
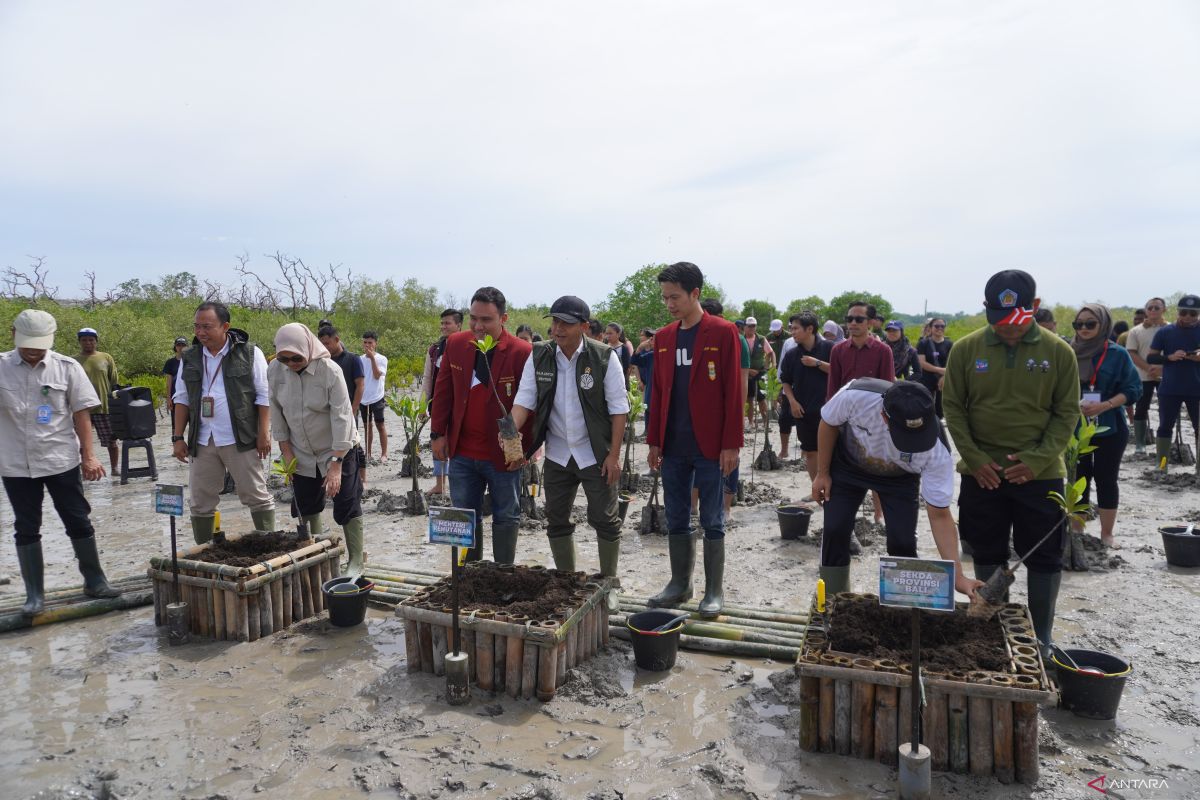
(468, 479)
(679, 475)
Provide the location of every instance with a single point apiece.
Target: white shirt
(566, 433)
(868, 443)
(37, 408)
(1138, 341)
(372, 386)
(788, 344)
(218, 429)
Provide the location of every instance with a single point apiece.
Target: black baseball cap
(571, 309)
(1188, 301)
(179, 340)
(1007, 291)
(912, 420)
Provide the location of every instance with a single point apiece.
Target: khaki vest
(593, 362)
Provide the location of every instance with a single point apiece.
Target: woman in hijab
(312, 420)
(904, 356)
(833, 332)
(1108, 381)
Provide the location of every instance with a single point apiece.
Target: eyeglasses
(1087, 324)
(939, 327)
(1189, 312)
(291, 359)
(204, 327)
(1154, 308)
(855, 318)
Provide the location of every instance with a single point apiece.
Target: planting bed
(242, 588)
(522, 627)
(983, 681)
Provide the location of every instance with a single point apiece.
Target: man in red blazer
(695, 430)
(465, 422)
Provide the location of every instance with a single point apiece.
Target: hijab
(295, 337)
(1086, 351)
(836, 330)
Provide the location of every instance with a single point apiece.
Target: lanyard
(212, 379)
(1096, 369)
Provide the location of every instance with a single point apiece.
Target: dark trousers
(347, 503)
(561, 484)
(1141, 409)
(66, 490)
(1168, 413)
(899, 497)
(987, 517)
(1101, 467)
(679, 475)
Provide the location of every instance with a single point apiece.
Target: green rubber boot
(985, 571)
(1141, 435)
(94, 582)
(203, 527)
(837, 580)
(610, 555)
(714, 578)
(1043, 598)
(33, 573)
(264, 520)
(683, 561)
(563, 550)
(1162, 449)
(504, 543)
(313, 523)
(353, 531)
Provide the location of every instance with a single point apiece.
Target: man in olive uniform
(575, 390)
(101, 370)
(1011, 400)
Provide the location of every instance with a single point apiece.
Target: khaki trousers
(561, 484)
(206, 478)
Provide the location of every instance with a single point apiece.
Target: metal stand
(915, 776)
(457, 663)
(177, 612)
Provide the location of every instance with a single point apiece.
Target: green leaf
(486, 343)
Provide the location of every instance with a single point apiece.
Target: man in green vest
(221, 401)
(574, 388)
(762, 358)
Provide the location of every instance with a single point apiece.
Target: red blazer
(716, 393)
(454, 384)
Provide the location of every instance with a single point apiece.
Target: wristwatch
(336, 459)
(176, 439)
(433, 437)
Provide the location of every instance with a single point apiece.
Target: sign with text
(916, 583)
(168, 499)
(452, 526)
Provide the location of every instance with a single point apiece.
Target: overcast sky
(788, 148)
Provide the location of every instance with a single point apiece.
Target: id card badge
(206, 407)
(44, 412)
(1091, 397)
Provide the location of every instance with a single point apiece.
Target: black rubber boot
(714, 577)
(94, 582)
(837, 580)
(683, 561)
(32, 571)
(985, 571)
(504, 543)
(1043, 598)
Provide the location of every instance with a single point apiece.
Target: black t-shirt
(935, 354)
(352, 370)
(809, 384)
(681, 437)
(171, 367)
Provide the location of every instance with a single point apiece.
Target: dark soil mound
(249, 549)
(948, 641)
(535, 593)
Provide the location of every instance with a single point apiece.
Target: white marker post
(454, 527)
(168, 499)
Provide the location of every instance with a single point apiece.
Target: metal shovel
(990, 597)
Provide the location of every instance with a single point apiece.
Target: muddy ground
(104, 708)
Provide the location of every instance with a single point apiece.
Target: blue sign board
(452, 526)
(916, 583)
(168, 499)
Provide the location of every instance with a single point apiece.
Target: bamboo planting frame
(244, 604)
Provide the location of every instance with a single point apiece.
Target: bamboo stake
(777, 628)
(1025, 730)
(499, 655)
(886, 746)
(218, 606)
(277, 605)
(560, 665)
(1002, 740)
(573, 647)
(266, 611)
(825, 728)
(14, 600)
(305, 595)
(605, 616)
(810, 710)
(243, 621)
(255, 618)
(862, 714)
(439, 650)
(286, 584)
(485, 654)
(547, 671)
(159, 606)
(529, 670)
(843, 702)
(939, 720)
(513, 664)
(412, 645)
(749, 649)
(231, 627)
(425, 636)
(725, 631)
(957, 738)
(979, 729)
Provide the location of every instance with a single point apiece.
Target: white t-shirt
(1138, 341)
(868, 443)
(372, 386)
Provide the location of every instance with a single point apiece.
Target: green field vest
(592, 363)
(237, 371)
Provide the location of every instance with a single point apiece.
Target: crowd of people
(871, 414)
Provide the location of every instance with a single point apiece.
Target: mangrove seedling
(629, 479)
(767, 460)
(285, 470)
(413, 413)
(510, 437)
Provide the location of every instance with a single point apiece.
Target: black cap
(912, 420)
(179, 340)
(1188, 301)
(741, 323)
(1007, 291)
(570, 309)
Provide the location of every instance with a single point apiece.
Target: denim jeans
(468, 479)
(679, 475)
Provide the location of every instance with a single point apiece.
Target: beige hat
(34, 329)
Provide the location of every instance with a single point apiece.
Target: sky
(548, 148)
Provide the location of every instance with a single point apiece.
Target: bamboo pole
(529, 671)
(14, 601)
(843, 702)
(810, 710)
(159, 606)
(305, 594)
(286, 584)
(439, 650)
(790, 616)
(605, 616)
(547, 671)
(499, 656)
(560, 665)
(825, 722)
(485, 654)
(266, 610)
(231, 604)
(886, 746)
(936, 738)
(748, 649)
(243, 621)
(255, 619)
(412, 645)
(787, 628)
(297, 598)
(573, 647)
(220, 630)
(725, 631)
(277, 605)
(425, 636)
(90, 608)
(978, 690)
(1002, 741)
(862, 714)
(957, 739)
(979, 728)
(225, 570)
(513, 664)
(1025, 736)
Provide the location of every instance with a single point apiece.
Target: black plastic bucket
(793, 521)
(1182, 548)
(347, 608)
(654, 651)
(1090, 694)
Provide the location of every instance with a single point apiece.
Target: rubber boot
(683, 560)
(837, 580)
(32, 571)
(1043, 597)
(264, 520)
(94, 582)
(563, 550)
(610, 555)
(504, 543)
(714, 578)
(353, 531)
(1141, 435)
(985, 571)
(1162, 449)
(203, 527)
(313, 523)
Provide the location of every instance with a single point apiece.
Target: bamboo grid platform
(71, 603)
